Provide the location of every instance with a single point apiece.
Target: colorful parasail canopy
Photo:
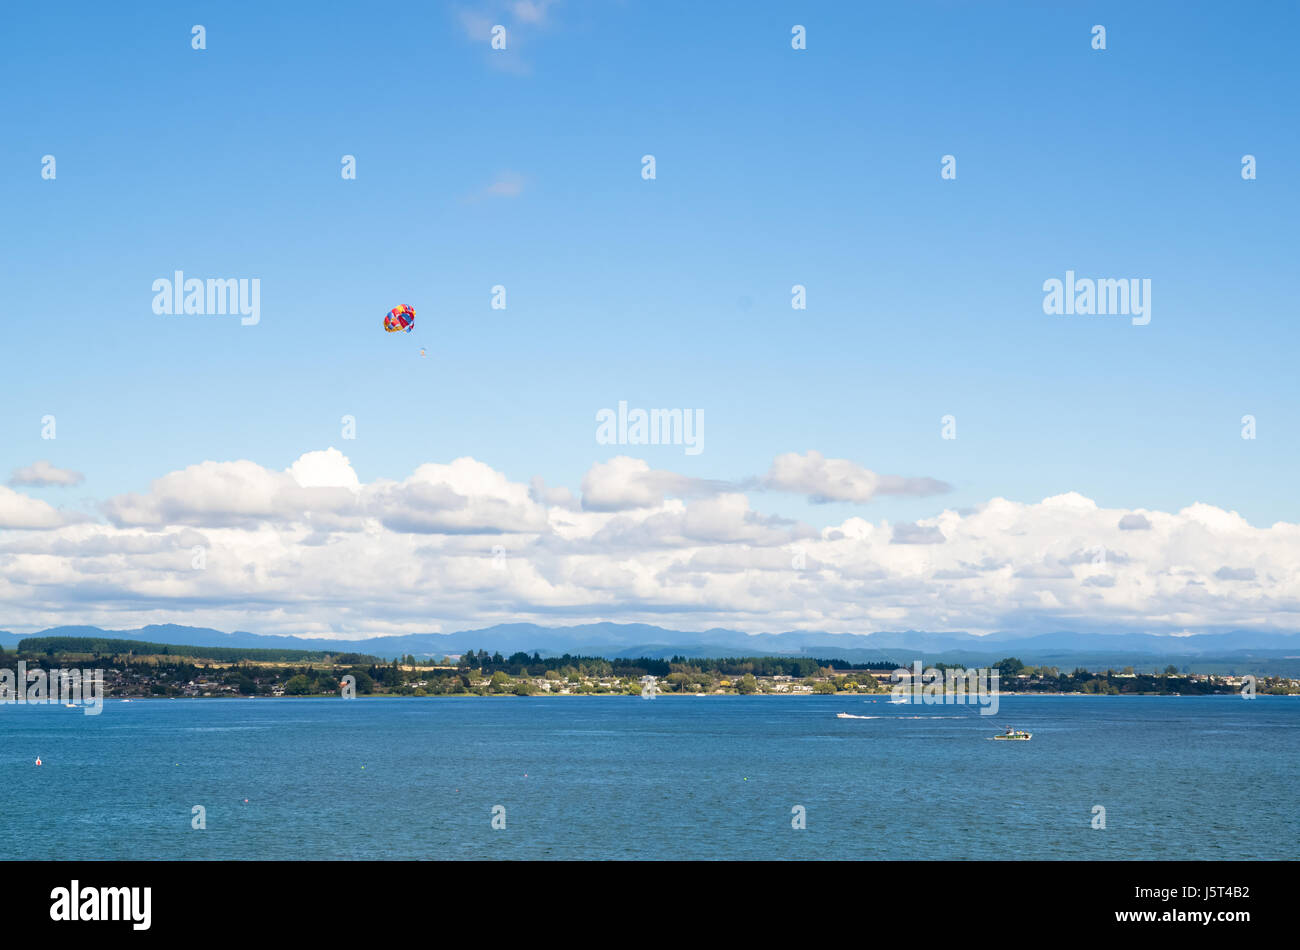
(401, 317)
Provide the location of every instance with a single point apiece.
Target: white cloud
(42, 474)
(328, 469)
(623, 483)
(233, 493)
(19, 511)
(826, 480)
(465, 497)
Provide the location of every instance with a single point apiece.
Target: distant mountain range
(1242, 650)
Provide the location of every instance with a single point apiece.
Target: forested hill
(105, 646)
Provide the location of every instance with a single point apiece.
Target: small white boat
(1016, 734)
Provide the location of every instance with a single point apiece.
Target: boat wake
(851, 716)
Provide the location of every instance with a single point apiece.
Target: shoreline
(544, 695)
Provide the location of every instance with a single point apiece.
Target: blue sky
(774, 167)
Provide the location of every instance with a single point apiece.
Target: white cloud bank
(312, 549)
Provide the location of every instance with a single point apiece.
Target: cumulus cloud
(43, 474)
(623, 483)
(465, 497)
(20, 511)
(826, 480)
(232, 493)
(328, 469)
(313, 549)
(1134, 522)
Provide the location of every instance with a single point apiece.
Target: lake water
(674, 777)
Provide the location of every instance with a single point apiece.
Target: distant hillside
(55, 646)
(1225, 651)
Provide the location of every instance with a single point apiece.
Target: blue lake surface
(675, 777)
